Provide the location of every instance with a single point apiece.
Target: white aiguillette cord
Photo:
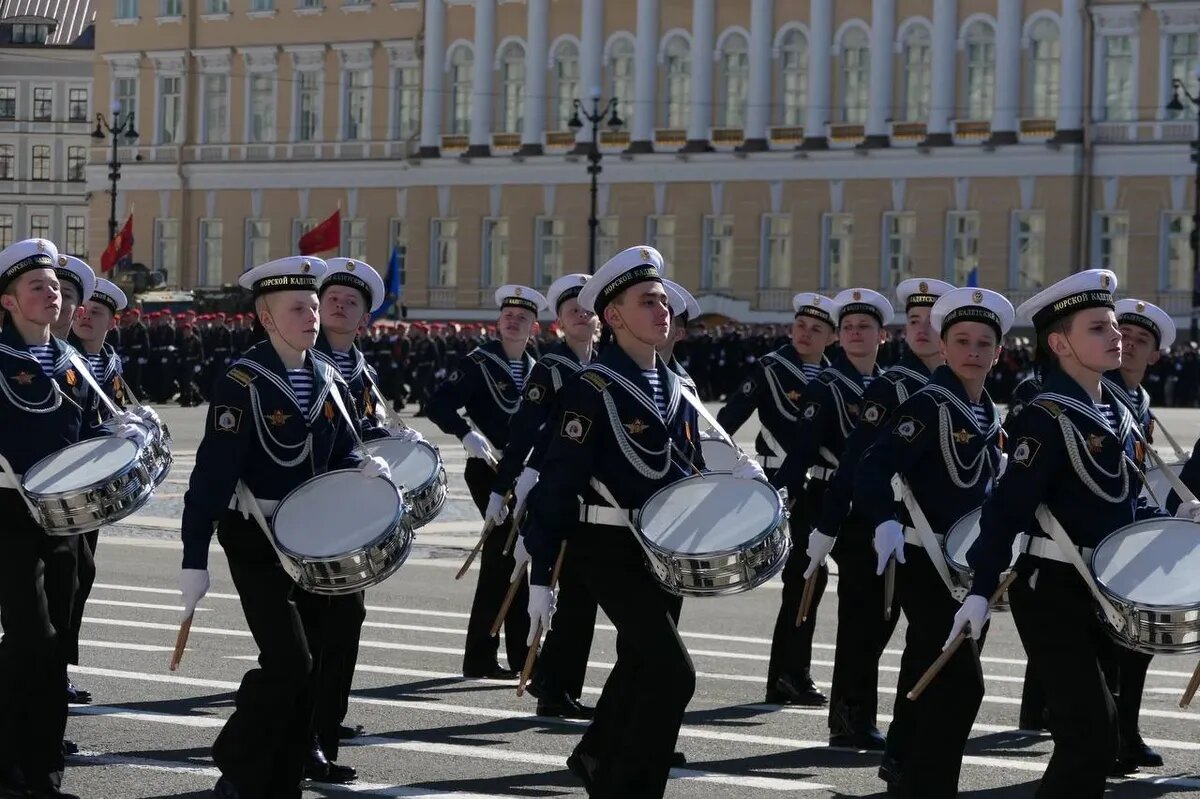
(1056, 531)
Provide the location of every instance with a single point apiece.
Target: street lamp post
(1176, 104)
(116, 128)
(597, 115)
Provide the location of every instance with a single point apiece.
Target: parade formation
(602, 482)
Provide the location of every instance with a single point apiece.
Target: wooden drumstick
(1192, 685)
(889, 587)
(513, 588)
(948, 653)
(518, 516)
(181, 640)
(487, 529)
(527, 671)
(806, 599)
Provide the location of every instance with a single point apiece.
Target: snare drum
(89, 484)
(1148, 571)
(1158, 482)
(417, 468)
(958, 542)
(158, 453)
(719, 456)
(714, 534)
(338, 532)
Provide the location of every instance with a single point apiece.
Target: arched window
(1045, 50)
(917, 82)
(461, 64)
(980, 47)
(735, 80)
(856, 76)
(566, 82)
(1183, 52)
(512, 89)
(793, 78)
(677, 101)
(620, 76)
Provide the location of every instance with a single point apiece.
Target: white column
(1070, 96)
(431, 88)
(591, 66)
(481, 78)
(945, 56)
(1008, 72)
(645, 77)
(883, 31)
(704, 41)
(537, 49)
(819, 87)
(758, 112)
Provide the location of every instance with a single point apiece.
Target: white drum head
(1158, 482)
(413, 463)
(80, 465)
(962, 536)
(718, 455)
(335, 513)
(709, 514)
(1154, 562)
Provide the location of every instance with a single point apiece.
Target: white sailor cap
(863, 301)
(25, 256)
(818, 306)
(76, 271)
(921, 292)
(626, 268)
(1092, 288)
(109, 294)
(972, 305)
(356, 275)
(514, 296)
(681, 300)
(565, 288)
(294, 273)
(1148, 316)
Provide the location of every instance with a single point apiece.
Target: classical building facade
(767, 146)
(46, 64)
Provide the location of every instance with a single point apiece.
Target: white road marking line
(127, 646)
(142, 605)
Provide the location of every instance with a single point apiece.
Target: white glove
(819, 547)
(376, 467)
(746, 468)
(970, 618)
(497, 509)
(132, 432)
(521, 555)
(193, 584)
(1189, 510)
(525, 484)
(147, 414)
(196, 368)
(477, 446)
(889, 540)
(541, 610)
(404, 433)
(142, 361)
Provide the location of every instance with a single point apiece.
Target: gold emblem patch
(857, 295)
(72, 379)
(644, 254)
(636, 427)
(793, 396)
(1141, 306)
(977, 297)
(278, 418)
(962, 436)
(1095, 443)
(24, 378)
(923, 287)
(1104, 281)
(62, 260)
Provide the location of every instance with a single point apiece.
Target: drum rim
(438, 466)
(402, 511)
(1127, 603)
(954, 564)
(132, 463)
(779, 518)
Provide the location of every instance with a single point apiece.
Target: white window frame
(33, 110)
(979, 99)
(793, 102)
(548, 230)
(854, 114)
(273, 98)
(398, 240)
(170, 8)
(207, 129)
(352, 130)
(10, 150)
(69, 230)
(81, 164)
(510, 108)
(608, 238)
(436, 236)
(41, 231)
(1167, 71)
(956, 239)
(161, 108)
(354, 238)
(889, 278)
(8, 229)
(48, 161)
(717, 276)
(459, 96)
(733, 70)
(163, 252)
(663, 242)
(252, 239)
(1039, 70)
(767, 275)
(916, 78)
(677, 73)
(405, 101)
(318, 77)
(300, 226)
(1182, 239)
(126, 9)
(1119, 261)
(564, 70)
(205, 276)
(619, 71)
(1016, 279)
(828, 280)
(117, 77)
(494, 240)
(1100, 86)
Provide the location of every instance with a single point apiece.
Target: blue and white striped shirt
(660, 398)
(45, 357)
(517, 369)
(302, 383)
(811, 370)
(345, 364)
(981, 415)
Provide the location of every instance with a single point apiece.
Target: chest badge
(23, 378)
(872, 413)
(278, 418)
(72, 378)
(501, 385)
(535, 393)
(962, 436)
(1095, 443)
(794, 396)
(852, 410)
(636, 427)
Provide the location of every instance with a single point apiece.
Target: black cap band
(349, 281)
(570, 293)
(919, 300)
(520, 302)
(1060, 309)
(38, 261)
(1144, 322)
(269, 285)
(70, 277)
(639, 274)
(972, 313)
(860, 307)
(104, 299)
(816, 313)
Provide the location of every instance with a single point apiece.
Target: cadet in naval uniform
(1068, 478)
(684, 308)
(623, 423)
(75, 280)
(45, 406)
(272, 424)
(833, 407)
(943, 442)
(862, 630)
(557, 682)
(488, 384)
(775, 388)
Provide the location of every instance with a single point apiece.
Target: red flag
(325, 236)
(120, 248)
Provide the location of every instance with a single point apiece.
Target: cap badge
(305, 267)
(816, 301)
(644, 254)
(857, 295)
(923, 287)
(517, 291)
(41, 246)
(1141, 306)
(350, 266)
(1104, 281)
(62, 260)
(582, 280)
(977, 297)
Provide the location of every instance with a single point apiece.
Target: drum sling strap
(653, 562)
(10, 479)
(1071, 554)
(248, 503)
(928, 540)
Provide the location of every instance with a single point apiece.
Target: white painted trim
(1100, 81)
(840, 33)
(505, 42)
(907, 26)
(452, 47)
(319, 133)
(782, 33)
(971, 20)
(612, 41)
(558, 41)
(732, 30)
(1034, 19)
(666, 39)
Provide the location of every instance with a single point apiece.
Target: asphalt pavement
(430, 733)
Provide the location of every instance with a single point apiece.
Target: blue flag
(394, 286)
(973, 278)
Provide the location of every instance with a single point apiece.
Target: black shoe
(77, 696)
(70, 747)
(346, 733)
(493, 672)
(869, 739)
(802, 691)
(678, 760)
(889, 770)
(13, 785)
(338, 774)
(53, 792)
(1034, 721)
(316, 766)
(564, 706)
(224, 789)
(584, 767)
(1136, 752)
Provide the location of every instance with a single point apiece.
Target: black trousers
(927, 736)
(791, 646)
(641, 707)
(1130, 685)
(494, 570)
(333, 625)
(37, 587)
(86, 577)
(562, 663)
(862, 630)
(1067, 648)
(263, 746)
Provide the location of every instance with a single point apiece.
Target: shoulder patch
(575, 426)
(476, 356)
(455, 376)
(909, 428)
(239, 375)
(873, 413)
(597, 382)
(227, 419)
(1049, 406)
(1025, 451)
(748, 387)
